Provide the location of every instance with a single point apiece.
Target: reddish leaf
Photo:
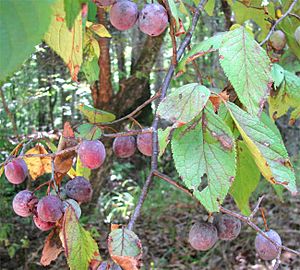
(52, 248)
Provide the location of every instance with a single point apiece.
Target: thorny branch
(241, 217)
(278, 21)
(164, 88)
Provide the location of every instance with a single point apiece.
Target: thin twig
(241, 217)
(164, 88)
(128, 133)
(278, 21)
(256, 207)
(295, 15)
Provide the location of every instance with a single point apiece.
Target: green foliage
(20, 31)
(184, 103)
(210, 6)
(247, 178)
(89, 132)
(251, 72)
(266, 147)
(163, 139)
(95, 116)
(205, 147)
(80, 247)
(72, 9)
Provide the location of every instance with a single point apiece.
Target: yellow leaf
(98, 29)
(66, 43)
(38, 166)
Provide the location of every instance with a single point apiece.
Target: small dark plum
(16, 171)
(144, 143)
(79, 189)
(104, 3)
(278, 40)
(228, 227)
(123, 14)
(124, 147)
(43, 225)
(203, 236)
(265, 248)
(50, 208)
(74, 205)
(91, 153)
(24, 202)
(153, 19)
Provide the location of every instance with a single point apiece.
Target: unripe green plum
(265, 248)
(16, 171)
(278, 40)
(203, 236)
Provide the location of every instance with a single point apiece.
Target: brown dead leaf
(114, 227)
(38, 166)
(216, 101)
(52, 248)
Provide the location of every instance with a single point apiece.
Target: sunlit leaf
(95, 115)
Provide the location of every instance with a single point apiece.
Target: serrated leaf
(80, 247)
(38, 166)
(125, 248)
(288, 96)
(66, 43)
(277, 75)
(72, 9)
(209, 7)
(205, 147)
(247, 67)
(95, 116)
(89, 132)
(256, 13)
(22, 26)
(198, 50)
(267, 148)
(184, 103)
(246, 180)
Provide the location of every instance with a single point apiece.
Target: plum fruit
(265, 248)
(278, 40)
(203, 236)
(16, 171)
(228, 227)
(123, 14)
(43, 225)
(24, 202)
(50, 208)
(91, 153)
(124, 147)
(144, 143)
(74, 205)
(153, 19)
(79, 189)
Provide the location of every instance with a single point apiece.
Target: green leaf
(246, 180)
(256, 13)
(163, 139)
(66, 43)
(80, 247)
(89, 132)
(267, 148)
(198, 50)
(81, 170)
(91, 70)
(288, 96)
(209, 7)
(277, 73)
(95, 116)
(125, 248)
(22, 26)
(72, 9)
(206, 147)
(247, 67)
(184, 103)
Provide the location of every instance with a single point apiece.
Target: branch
(278, 21)
(242, 218)
(164, 88)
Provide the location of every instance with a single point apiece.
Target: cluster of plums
(50, 209)
(204, 235)
(278, 39)
(124, 14)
